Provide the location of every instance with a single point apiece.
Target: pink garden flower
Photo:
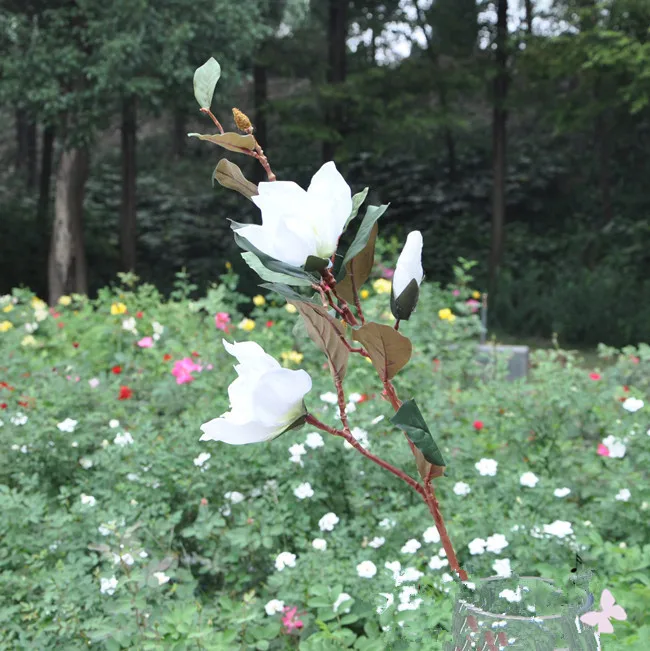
(290, 619)
(183, 369)
(456, 292)
(473, 304)
(595, 376)
(603, 451)
(387, 273)
(221, 320)
(145, 342)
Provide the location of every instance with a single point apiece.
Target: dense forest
(514, 133)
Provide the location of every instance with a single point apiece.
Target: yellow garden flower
(259, 300)
(446, 315)
(118, 308)
(364, 293)
(6, 325)
(292, 356)
(382, 286)
(8, 308)
(476, 294)
(290, 308)
(65, 300)
(228, 266)
(28, 340)
(40, 314)
(38, 304)
(246, 324)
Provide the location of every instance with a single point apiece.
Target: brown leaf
(230, 141)
(424, 466)
(326, 333)
(230, 176)
(359, 267)
(388, 349)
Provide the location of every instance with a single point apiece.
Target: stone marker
(517, 357)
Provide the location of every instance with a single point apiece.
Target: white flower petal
(409, 263)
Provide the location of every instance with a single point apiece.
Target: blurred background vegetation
(514, 133)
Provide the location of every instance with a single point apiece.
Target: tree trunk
(449, 136)
(31, 168)
(179, 133)
(127, 234)
(529, 17)
(20, 160)
(260, 99)
(42, 218)
(67, 259)
(499, 120)
(336, 70)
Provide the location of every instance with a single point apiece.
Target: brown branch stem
(211, 115)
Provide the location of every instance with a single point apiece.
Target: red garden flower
(23, 403)
(139, 315)
(3, 405)
(478, 425)
(595, 376)
(269, 324)
(116, 370)
(61, 324)
(4, 385)
(166, 357)
(75, 344)
(125, 393)
(195, 354)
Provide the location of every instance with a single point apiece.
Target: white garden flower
(409, 264)
(633, 404)
(303, 491)
(356, 397)
(376, 542)
(502, 567)
(161, 577)
(104, 530)
(461, 488)
(431, 535)
(85, 463)
(390, 599)
(328, 522)
(285, 559)
(559, 528)
(265, 399)
(319, 543)
(411, 546)
(477, 546)
(234, 496)
(615, 446)
(274, 607)
(361, 436)
(330, 398)
(405, 599)
(113, 423)
(496, 543)
(529, 479)
(68, 425)
(487, 467)
(623, 495)
(31, 327)
(129, 325)
(386, 523)
(561, 492)
(314, 440)
(88, 500)
(437, 563)
(201, 459)
(511, 595)
(122, 439)
(366, 569)
(158, 329)
(341, 599)
(19, 418)
(395, 567)
(409, 575)
(107, 585)
(296, 223)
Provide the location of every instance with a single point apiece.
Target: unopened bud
(242, 121)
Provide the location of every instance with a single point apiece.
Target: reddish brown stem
(265, 162)
(209, 113)
(330, 285)
(397, 324)
(341, 398)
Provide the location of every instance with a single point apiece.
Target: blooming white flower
(329, 397)
(561, 492)
(502, 567)
(361, 436)
(356, 397)
(328, 522)
(298, 224)
(529, 479)
(234, 496)
(122, 439)
(409, 575)
(496, 543)
(409, 264)
(113, 423)
(437, 563)
(377, 542)
(129, 325)
(19, 418)
(88, 500)
(461, 488)
(93, 382)
(297, 450)
(390, 599)
(314, 440)
(85, 463)
(477, 546)
(285, 559)
(387, 523)
(405, 599)
(411, 546)
(366, 569)
(341, 599)
(265, 399)
(304, 491)
(559, 528)
(623, 495)
(633, 404)
(431, 535)
(107, 585)
(319, 543)
(104, 530)
(395, 567)
(487, 467)
(274, 607)
(161, 577)
(615, 446)
(158, 329)
(31, 327)
(201, 459)
(511, 595)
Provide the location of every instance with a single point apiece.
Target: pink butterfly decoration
(609, 611)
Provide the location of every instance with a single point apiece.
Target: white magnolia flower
(461, 488)
(437, 563)
(328, 522)
(561, 492)
(361, 436)
(623, 495)
(431, 535)
(19, 418)
(409, 264)
(122, 439)
(559, 528)
(113, 423)
(108, 585)
(409, 575)
(390, 599)
(129, 325)
(615, 446)
(377, 542)
(496, 543)
(502, 567)
(319, 543)
(161, 577)
(296, 223)
(405, 599)
(304, 491)
(366, 569)
(274, 607)
(264, 400)
(234, 496)
(387, 523)
(314, 440)
(529, 479)
(411, 546)
(633, 404)
(285, 559)
(329, 397)
(477, 546)
(201, 459)
(341, 599)
(511, 595)
(88, 500)
(487, 467)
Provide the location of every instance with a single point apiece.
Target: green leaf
(410, 419)
(230, 141)
(271, 276)
(388, 349)
(230, 176)
(288, 293)
(402, 307)
(357, 200)
(205, 81)
(314, 263)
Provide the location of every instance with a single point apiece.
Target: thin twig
(209, 113)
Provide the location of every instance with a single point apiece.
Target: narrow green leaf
(410, 419)
(288, 293)
(205, 81)
(271, 276)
